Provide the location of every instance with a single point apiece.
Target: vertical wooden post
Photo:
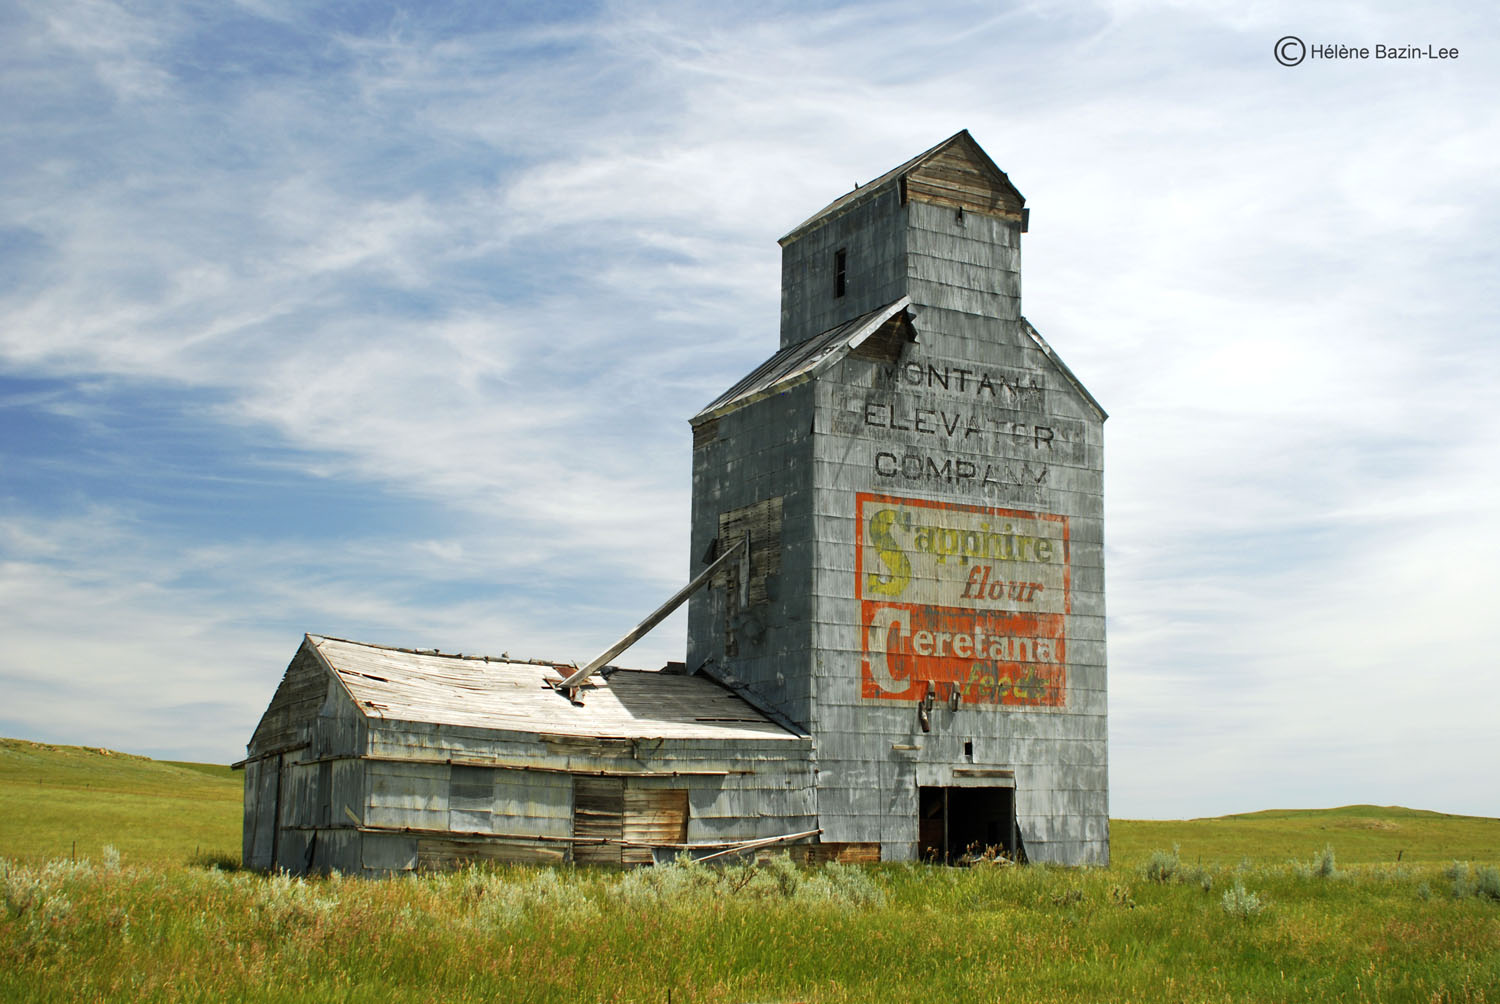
(947, 851)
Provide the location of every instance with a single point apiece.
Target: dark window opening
(840, 272)
(955, 825)
(969, 748)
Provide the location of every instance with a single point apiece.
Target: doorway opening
(964, 823)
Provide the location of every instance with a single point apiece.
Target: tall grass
(774, 931)
(1241, 908)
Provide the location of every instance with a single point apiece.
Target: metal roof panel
(402, 685)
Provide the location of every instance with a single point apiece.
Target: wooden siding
(436, 853)
(761, 522)
(961, 176)
(303, 689)
(598, 814)
(652, 816)
(819, 854)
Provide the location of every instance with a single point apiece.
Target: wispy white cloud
(489, 268)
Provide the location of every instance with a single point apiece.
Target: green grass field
(65, 801)
(1245, 911)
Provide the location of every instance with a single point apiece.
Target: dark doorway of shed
(967, 822)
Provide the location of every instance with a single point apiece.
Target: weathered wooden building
(909, 663)
(379, 759)
(921, 479)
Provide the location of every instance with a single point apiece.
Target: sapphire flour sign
(962, 597)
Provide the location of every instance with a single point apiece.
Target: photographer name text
(1319, 50)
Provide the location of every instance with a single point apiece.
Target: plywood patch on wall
(762, 522)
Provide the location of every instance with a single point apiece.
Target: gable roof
(956, 171)
(1062, 368)
(801, 362)
(482, 692)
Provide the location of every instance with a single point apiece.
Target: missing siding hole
(840, 271)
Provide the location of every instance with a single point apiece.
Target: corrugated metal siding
(262, 778)
(407, 795)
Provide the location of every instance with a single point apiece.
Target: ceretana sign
(962, 597)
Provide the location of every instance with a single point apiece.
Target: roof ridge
(438, 653)
(860, 192)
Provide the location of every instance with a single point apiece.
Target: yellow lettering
(898, 574)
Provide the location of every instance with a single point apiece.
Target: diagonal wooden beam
(740, 548)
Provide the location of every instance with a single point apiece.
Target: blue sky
(386, 322)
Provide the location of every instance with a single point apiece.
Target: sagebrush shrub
(1162, 866)
(1240, 902)
(1487, 882)
(1463, 885)
(1322, 865)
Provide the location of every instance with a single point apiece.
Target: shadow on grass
(214, 861)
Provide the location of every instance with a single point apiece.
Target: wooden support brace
(569, 687)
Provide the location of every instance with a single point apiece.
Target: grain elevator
(921, 481)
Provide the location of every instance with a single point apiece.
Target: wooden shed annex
(375, 759)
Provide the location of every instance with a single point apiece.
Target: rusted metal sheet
(844, 853)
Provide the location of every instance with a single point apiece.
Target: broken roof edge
(439, 654)
(863, 193)
(763, 380)
(1062, 368)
